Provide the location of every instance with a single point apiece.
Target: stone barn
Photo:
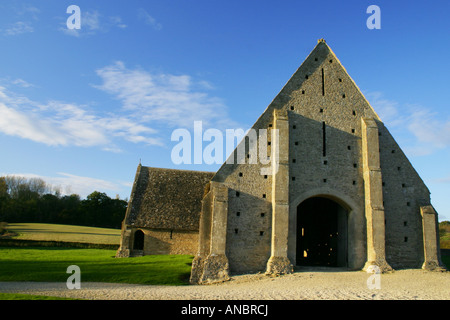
(338, 192)
(163, 212)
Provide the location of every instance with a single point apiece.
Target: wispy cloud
(22, 83)
(17, 28)
(57, 123)
(29, 11)
(445, 180)
(117, 21)
(174, 100)
(150, 104)
(429, 131)
(92, 22)
(25, 16)
(143, 15)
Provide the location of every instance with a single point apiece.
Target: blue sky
(80, 108)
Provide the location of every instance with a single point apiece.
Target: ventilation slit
(323, 83)
(324, 140)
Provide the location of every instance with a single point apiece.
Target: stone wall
(170, 242)
(324, 109)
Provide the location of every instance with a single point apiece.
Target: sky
(80, 108)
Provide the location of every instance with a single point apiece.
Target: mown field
(64, 233)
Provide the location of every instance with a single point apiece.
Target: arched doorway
(321, 233)
(138, 243)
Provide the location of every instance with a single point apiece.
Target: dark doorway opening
(138, 243)
(321, 233)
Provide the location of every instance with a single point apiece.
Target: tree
(3, 188)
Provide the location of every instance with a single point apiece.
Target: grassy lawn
(66, 233)
(50, 264)
(17, 296)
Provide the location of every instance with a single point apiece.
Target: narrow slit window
(324, 140)
(323, 83)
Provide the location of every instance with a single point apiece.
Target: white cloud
(29, 11)
(56, 123)
(428, 131)
(90, 20)
(17, 28)
(148, 19)
(148, 101)
(117, 21)
(22, 83)
(92, 23)
(164, 98)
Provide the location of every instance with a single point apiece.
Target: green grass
(17, 296)
(444, 234)
(50, 264)
(65, 233)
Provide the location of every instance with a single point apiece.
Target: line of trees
(33, 200)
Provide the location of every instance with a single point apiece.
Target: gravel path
(402, 284)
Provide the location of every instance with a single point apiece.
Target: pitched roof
(167, 198)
